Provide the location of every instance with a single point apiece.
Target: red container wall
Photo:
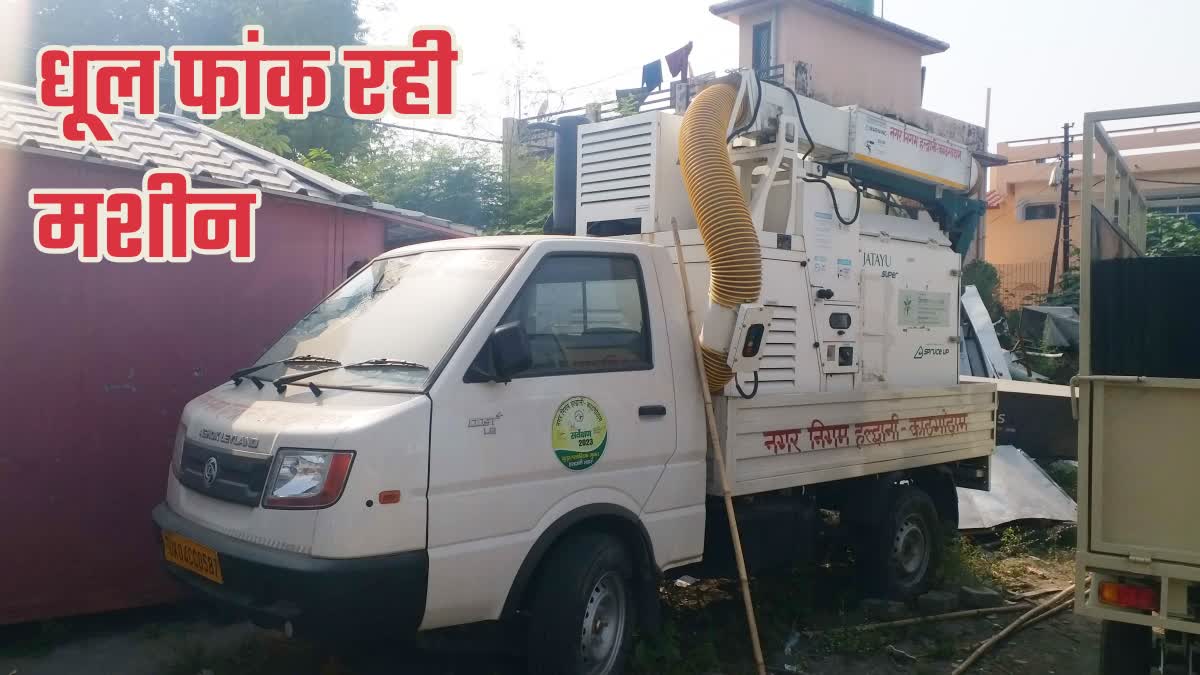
(96, 363)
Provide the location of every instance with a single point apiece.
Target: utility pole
(981, 231)
(1062, 231)
(1064, 199)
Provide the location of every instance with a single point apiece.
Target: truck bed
(1142, 452)
(790, 440)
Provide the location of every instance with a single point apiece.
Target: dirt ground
(806, 619)
(1065, 644)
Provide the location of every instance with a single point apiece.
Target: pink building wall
(849, 61)
(850, 64)
(96, 363)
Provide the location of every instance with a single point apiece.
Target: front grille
(238, 479)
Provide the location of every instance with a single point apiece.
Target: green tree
(458, 182)
(529, 198)
(319, 159)
(211, 22)
(264, 133)
(1067, 292)
(1168, 235)
(628, 105)
(311, 22)
(984, 277)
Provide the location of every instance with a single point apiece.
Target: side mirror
(510, 350)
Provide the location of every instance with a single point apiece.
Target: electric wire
(832, 195)
(753, 389)
(753, 114)
(402, 127)
(1166, 182)
(800, 114)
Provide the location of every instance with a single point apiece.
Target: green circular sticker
(578, 433)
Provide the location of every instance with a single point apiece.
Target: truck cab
(493, 394)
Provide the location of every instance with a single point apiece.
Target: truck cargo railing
(1135, 396)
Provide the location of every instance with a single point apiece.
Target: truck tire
(902, 554)
(583, 610)
(1125, 648)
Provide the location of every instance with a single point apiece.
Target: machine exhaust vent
(777, 369)
(616, 163)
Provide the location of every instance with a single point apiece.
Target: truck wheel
(1125, 648)
(583, 610)
(902, 556)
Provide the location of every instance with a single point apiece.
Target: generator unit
(860, 281)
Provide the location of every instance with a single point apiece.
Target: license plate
(192, 556)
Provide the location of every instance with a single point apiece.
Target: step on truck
(1137, 396)
(513, 428)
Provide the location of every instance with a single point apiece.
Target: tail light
(1129, 596)
(307, 479)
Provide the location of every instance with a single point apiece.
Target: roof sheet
(174, 142)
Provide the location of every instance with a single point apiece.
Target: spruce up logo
(931, 350)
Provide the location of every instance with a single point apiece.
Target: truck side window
(584, 313)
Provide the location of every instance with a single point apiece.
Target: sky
(1047, 61)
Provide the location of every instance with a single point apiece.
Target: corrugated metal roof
(174, 142)
(929, 44)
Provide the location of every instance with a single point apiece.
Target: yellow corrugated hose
(735, 260)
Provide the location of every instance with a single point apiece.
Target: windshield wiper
(387, 363)
(282, 383)
(244, 373)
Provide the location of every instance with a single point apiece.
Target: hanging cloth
(652, 76)
(677, 61)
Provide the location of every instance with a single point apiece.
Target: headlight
(307, 479)
(177, 450)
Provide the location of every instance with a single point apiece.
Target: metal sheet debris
(982, 354)
(1021, 490)
(1051, 326)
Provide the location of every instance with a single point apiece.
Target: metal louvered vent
(777, 369)
(615, 164)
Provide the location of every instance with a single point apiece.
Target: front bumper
(272, 587)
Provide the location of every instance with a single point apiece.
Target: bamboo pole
(719, 457)
(1049, 613)
(1033, 594)
(1013, 627)
(900, 623)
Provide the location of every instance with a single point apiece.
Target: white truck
(513, 428)
(1138, 396)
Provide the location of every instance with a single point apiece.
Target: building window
(1183, 208)
(760, 50)
(1039, 211)
(584, 313)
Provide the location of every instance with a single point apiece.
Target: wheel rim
(603, 624)
(910, 549)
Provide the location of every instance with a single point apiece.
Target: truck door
(590, 421)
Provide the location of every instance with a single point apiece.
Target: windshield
(408, 308)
